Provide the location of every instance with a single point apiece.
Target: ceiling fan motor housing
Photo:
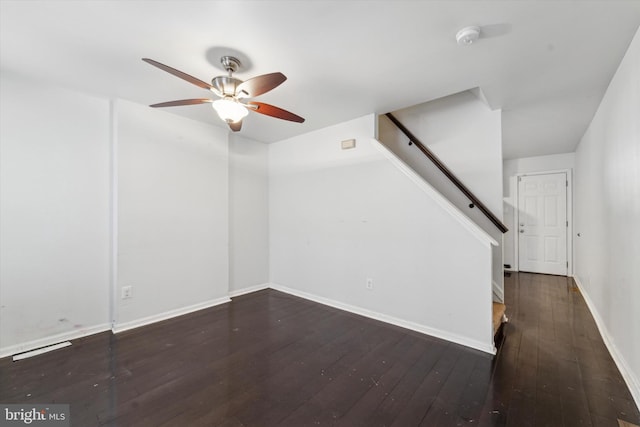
(225, 85)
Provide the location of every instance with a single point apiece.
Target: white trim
(422, 184)
(516, 215)
(570, 219)
(248, 290)
(56, 339)
(167, 315)
(516, 224)
(497, 290)
(627, 373)
(113, 214)
(53, 339)
(448, 336)
(80, 333)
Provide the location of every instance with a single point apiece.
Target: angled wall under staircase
(359, 230)
(466, 135)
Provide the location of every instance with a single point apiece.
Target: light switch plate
(348, 144)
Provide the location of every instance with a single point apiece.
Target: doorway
(543, 223)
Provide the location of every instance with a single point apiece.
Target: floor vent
(41, 350)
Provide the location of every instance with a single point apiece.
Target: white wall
(338, 217)
(467, 136)
(54, 214)
(607, 213)
(173, 209)
(552, 162)
(514, 167)
(248, 215)
(174, 188)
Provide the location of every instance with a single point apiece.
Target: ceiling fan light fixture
(229, 109)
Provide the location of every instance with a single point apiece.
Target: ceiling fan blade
(182, 102)
(259, 85)
(270, 110)
(235, 126)
(178, 73)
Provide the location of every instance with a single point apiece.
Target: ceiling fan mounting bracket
(230, 63)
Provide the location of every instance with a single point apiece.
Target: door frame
(569, 201)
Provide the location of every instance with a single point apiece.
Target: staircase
(499, 318)
(392, 133)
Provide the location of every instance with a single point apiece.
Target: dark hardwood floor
(271, 359)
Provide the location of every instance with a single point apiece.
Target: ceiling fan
(231, 90)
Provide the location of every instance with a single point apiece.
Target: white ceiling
(545, 63)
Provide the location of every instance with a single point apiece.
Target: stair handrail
(413, 140)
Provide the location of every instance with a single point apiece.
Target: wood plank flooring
(270, 359)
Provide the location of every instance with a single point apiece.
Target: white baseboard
(633, 382)
(53, 339)
(497, 291)
(117, 328)
(248, 290)
(485, 347)
(80, 333)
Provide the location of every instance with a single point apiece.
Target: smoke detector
(468, 35)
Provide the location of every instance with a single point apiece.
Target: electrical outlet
(369, 284)
(127, 292)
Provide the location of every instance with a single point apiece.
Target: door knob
(522, 231)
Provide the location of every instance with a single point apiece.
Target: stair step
(625, 423)
(498, 313)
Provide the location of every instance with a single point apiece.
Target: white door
(542, 223)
